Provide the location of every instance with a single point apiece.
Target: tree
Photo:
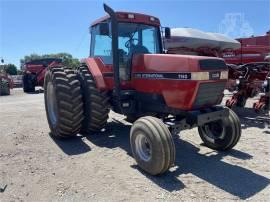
(9, 69)
(67, 58)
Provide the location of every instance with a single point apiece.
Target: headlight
(237, 81)
(224, 75)
(267, 57)
(265, 83)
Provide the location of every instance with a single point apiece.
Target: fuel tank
(185, 82)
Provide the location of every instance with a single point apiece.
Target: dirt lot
(99, 167)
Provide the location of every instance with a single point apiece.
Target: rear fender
(96, 72)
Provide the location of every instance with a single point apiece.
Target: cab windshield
(133, 38)
(138, 38)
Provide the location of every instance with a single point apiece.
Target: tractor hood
(176, 63)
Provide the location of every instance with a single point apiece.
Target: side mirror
(104, 29)
(167, 33)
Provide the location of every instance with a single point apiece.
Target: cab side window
(101, 44)
(148, 36)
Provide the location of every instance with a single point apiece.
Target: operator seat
(125, 73)
(135, 49)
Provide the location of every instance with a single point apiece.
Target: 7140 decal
(176, 76)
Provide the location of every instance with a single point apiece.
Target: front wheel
(222, 134)
(152, 145)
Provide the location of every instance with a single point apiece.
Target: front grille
(209, 94)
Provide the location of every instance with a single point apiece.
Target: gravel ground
(99, 167)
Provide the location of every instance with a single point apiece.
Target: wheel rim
(214, 131)
(143, 147)
(51, 104)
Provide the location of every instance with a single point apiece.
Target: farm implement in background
(34, 72)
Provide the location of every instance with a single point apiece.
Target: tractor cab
(130, 34)
(137, 34)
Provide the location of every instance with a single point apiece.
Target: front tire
(222, 134)
(63, 102)
(152, 145)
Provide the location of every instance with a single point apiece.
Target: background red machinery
(34, 72)
(253, 49)
(263, 104)
(250, 82)
(249, 67)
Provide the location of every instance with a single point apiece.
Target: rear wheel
(63, 102)
(222, 134)
(152, 145)
(28, 83)
(95, 102)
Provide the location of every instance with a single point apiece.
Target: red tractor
(129, 72)
(5, 84)
(34, 72)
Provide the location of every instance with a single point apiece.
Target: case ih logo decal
(214, 75)
(174, 76)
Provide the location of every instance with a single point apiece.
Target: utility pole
(2, 64)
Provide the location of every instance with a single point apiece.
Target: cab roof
(130, 17)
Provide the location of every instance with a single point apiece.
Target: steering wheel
(130, 42)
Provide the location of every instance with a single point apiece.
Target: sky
(47, 26)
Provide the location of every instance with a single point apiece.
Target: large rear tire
(152, 145)
(95, 102)
(222, 134)
(28, 83)
(63, 102)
